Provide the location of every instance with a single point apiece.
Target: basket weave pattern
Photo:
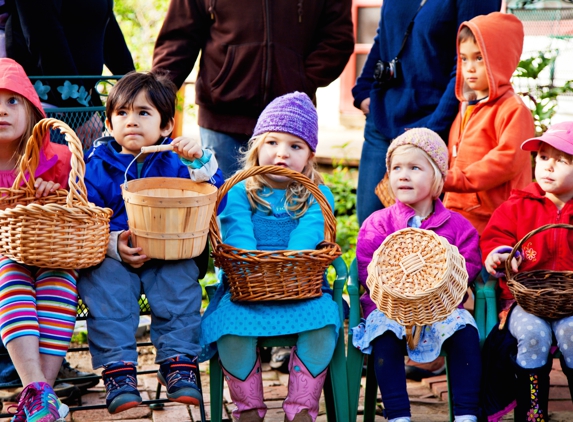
(275, 275)
(62, 230)
(544, 293)
(382, 191)
(416, 277)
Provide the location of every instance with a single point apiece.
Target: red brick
(561, 406)
(100, 415)
(179, 413)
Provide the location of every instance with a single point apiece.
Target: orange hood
(503, 34)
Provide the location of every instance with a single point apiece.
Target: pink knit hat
(428, 141)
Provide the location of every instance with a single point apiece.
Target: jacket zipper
(268, 50)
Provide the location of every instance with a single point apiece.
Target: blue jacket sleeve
(217, 180)
(236, 225)
(310, 229)
(364, 83)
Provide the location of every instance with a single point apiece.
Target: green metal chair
(335, 387)
(485, 301)
(86, 113)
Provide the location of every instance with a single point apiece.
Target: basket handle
(329, 220)
(413, 339)
(31, 158)
(527, 236)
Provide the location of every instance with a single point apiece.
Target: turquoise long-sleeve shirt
(259, 230)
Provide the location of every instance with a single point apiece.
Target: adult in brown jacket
(252, 51)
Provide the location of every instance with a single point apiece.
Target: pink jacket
(54, 162)
(449, 224)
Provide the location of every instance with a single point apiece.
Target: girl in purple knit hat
(417, 163)
(271, 212)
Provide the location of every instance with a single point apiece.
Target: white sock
(466, 418)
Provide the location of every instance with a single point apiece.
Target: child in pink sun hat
(548, 200)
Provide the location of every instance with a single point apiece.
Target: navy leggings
(464, 364)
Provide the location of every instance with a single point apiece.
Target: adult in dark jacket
(423, 93)
(251, 52)
(66, 37)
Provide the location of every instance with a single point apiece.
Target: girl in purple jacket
(418, 161)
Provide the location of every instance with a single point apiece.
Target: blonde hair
(437, 180)
(34, 116)
(297, 199)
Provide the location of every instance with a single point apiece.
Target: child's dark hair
(160, 92)
(466, 34)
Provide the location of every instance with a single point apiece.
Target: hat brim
(556, 142)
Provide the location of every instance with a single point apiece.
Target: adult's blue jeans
(227, 148)
(371, 170)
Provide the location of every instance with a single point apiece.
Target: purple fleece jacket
(449, 224)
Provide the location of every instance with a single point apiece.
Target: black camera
(387, 71)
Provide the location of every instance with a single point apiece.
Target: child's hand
(498, 256)
(45, 187)
(128, 254)
(187, 148)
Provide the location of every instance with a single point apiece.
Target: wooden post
(179, 113)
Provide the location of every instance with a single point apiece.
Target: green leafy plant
(541, 98)
(341, 183)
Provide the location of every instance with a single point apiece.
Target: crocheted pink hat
(428, 141)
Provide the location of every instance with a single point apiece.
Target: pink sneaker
(39, 403)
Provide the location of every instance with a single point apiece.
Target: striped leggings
(38, 302)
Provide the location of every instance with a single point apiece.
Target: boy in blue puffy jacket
(140, 111)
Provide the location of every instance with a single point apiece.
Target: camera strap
(409, 30)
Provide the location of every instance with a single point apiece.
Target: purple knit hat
(428, 141)
(291, 113)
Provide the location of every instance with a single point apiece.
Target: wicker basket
(383, 193)
(275, 275)
(417, 278)
(62, 230)
(544, 293)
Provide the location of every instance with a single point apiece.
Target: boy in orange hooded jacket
(486, 161)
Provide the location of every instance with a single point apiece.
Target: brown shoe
(301, 416)
(416, 371)
(249, 416)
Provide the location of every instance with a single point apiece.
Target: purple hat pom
(291, 113)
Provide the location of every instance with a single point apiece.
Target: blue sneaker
(39, 403)
(179, 376)
(120, 380)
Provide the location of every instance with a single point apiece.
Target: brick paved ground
(428, 400)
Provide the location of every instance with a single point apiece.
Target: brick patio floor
(428, 401)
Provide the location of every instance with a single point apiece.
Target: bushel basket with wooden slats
(168, 217)
(275, 275)
(62, 230)
(544, 293)
(417, 278)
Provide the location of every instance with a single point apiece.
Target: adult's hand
(365, 106)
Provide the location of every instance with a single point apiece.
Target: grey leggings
(534, 338)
